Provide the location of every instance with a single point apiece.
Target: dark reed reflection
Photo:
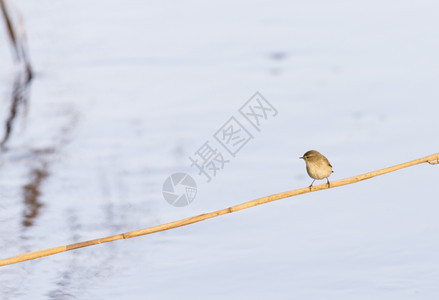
(17, 37)
(38, 171)
(31, 195)
(19, 99)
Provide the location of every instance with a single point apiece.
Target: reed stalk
(17, 36)
(431, 159)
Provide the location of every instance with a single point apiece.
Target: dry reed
(431, 159)
(17, 36)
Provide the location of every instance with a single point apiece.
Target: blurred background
(124, 92)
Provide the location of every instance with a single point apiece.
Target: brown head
(311, 156)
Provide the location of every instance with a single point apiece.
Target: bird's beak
(301, 157)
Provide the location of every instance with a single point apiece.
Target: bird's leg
(311, 184)
(327, 180)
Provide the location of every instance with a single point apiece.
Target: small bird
(317, 166)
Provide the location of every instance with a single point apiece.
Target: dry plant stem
(431, 159)
(18, 39)
(10, 28)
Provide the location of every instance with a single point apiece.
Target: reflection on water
(19, 98)
(31, 191)
(31, 194)
(37, 160)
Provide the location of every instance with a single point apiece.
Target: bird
(317, 166)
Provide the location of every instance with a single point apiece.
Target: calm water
(123, 95)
